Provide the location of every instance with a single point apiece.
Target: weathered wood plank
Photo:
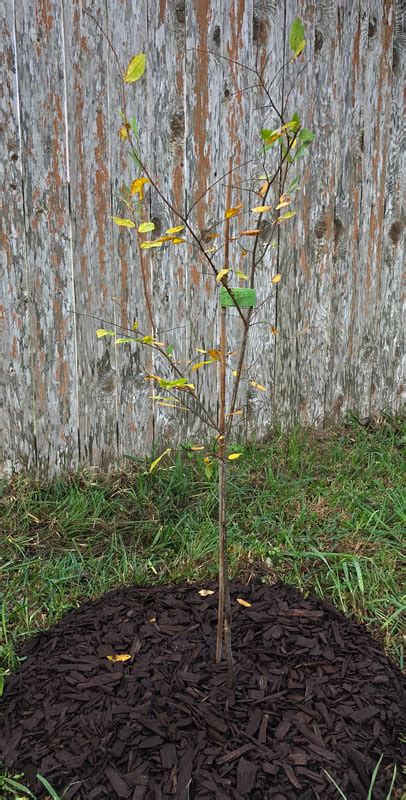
(371, 104)
(127, 27)
(204, 94)
(268, 52)
(389, 370)
(17, 450)
(90, 198)
(170, 266)
(40, 67)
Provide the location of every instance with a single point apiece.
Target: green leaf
(296, 120)
(209, 469)
(170, 350)
(300, 152)
(101, 332)
(125, 339)
(294, 185)
(135, 69)
(14, 786)
(297, 36)
(287, 155)
(157, 460)
(123, 223)
(178, 382)
(134, 158)
(134, 125)
(305, 136)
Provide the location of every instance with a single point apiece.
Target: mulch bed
(314, 692)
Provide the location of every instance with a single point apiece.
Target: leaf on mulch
(119, 657)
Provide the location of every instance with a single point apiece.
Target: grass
(324, 511)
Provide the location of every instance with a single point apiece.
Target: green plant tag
(245, 298)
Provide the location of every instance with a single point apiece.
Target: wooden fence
(70, 398)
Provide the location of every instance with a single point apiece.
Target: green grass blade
(334, 784)
(373, 778)
(48, 787)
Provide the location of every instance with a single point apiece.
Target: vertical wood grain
(169, 266)
(204, 94)
(88, 139)
(17, 449)
(268, 53)
(128, 31)
(338, 309)
(46, 208)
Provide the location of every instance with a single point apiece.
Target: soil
(314, 692)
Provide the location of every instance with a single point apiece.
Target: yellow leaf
(145, 227)
(274, 330)
(211, 250)
(177, 240)
(137, 187)
(205, 592)
(119, 657)
(187, 386)
(284, 200)
(250, 233)
(288, 215)
(241, 275)
(175, 230)
(101, 332)
(234, 456)
(148, 245)
(197, 447)
(135, 68)
(125, 339)
(211, 236)
(258, 386)
(221, 274)
(232, 413)
(123, 132)
(124, 223)
(276, 278)
(244, 603)
(264, 188)
(201, 364)
(157, 460)
(235, 373)
(135, 326)
(214, 354)
(231, 212)
(261, 209)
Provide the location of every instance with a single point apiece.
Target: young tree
(279, 149)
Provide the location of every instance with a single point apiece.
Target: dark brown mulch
(314, 692)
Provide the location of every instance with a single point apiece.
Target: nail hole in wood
(180, 13)
(395, 232)
(318, 40)
(371, 27)
(320, 229)
(158, 225)
(177, 126)
(338, 229)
